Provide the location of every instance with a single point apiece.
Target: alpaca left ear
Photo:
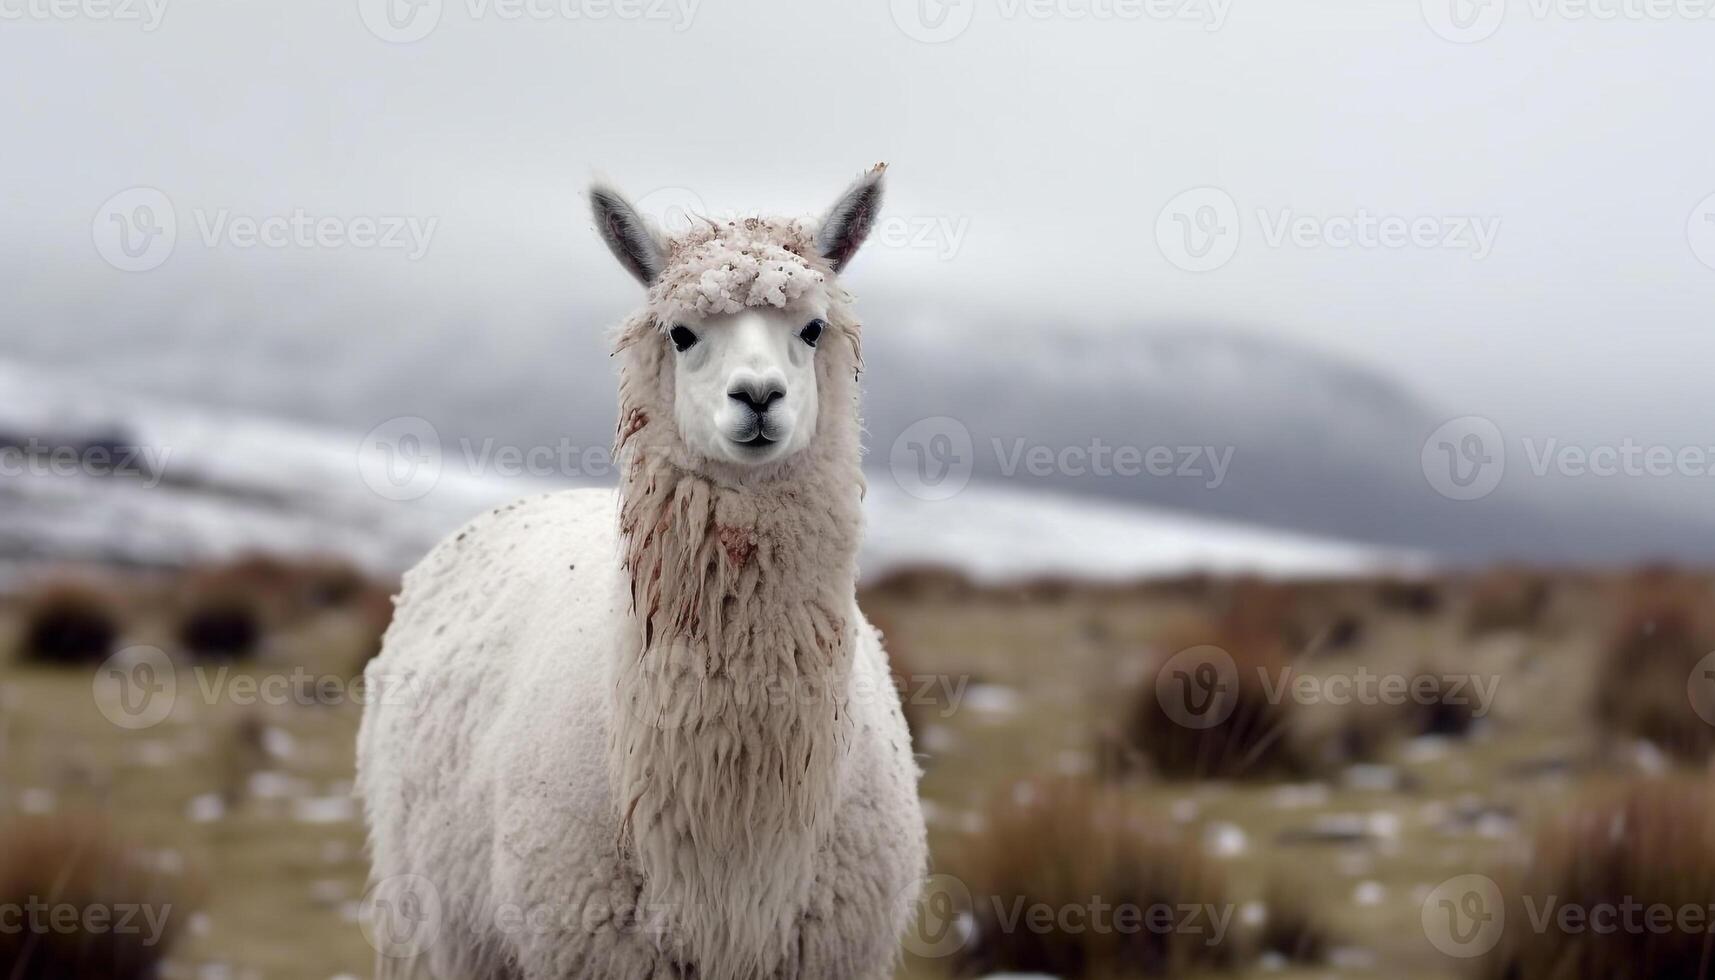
(849, 221)
(627, 236)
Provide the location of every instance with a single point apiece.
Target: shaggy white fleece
(650, 735)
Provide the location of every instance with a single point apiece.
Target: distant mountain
(1314, 444)
(1306, 441)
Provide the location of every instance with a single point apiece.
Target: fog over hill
(1202, 418)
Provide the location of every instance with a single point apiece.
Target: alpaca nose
(757, 394)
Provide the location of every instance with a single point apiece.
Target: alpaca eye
(812, 332)
(682, 337)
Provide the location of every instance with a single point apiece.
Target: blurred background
(1289, 446)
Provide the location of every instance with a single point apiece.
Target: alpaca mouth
(757, 442)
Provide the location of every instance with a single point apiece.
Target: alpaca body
(487, 772)
(647, 735)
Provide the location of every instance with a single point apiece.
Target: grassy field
(1012, 690)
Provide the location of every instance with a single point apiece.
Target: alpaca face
(739, 308)
(744, 384)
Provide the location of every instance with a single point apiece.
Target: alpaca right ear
(850, 220)
(626, 234)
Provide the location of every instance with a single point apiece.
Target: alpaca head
(733, 363)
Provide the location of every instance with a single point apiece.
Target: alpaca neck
(730, 728)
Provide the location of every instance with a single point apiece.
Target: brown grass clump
(1071, 880)
(373, 607)
(80, 905)
(1651, 683)
(1308, 618)
(901, 664)
(920, 583)
(1507, 599)
(1634, 869)
(332, 584)
(222, 627)
(1213, 704)
(1412, 597)
(1293, 931)
(69, 623)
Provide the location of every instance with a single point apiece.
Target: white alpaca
(650, 735)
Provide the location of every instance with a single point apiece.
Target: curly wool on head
(721, 268)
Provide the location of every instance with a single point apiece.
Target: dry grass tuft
(1651, 846)
(1072, 880)
(901, 665)
(1212, 707)
(1293, 930)
(1507, 599)
(921, 583)
(69, 623)
(1650, 683)
(86, 906)
(222, 627)
(1412, 597)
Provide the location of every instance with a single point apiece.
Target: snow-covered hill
(94, 475)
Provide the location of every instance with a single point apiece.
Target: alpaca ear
(626, 234)
(849, 221)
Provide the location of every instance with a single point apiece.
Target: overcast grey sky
(1557, 163)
